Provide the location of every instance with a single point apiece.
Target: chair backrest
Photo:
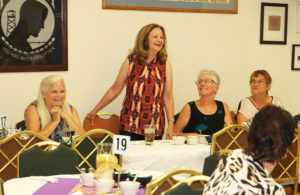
(166, 181)
(287, 169)
(47, 145)
(211, 162)
(11, 147)
(296, 119)
(86, 146)
(105, 120)
(230, 137)
(185, 186)
(21, 125)
(37, 162)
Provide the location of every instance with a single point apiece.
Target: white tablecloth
(164, 156)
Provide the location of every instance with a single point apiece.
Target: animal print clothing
(240, 174)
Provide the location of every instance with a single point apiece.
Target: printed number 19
(123, 144)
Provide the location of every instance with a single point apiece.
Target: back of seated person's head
(270, 134)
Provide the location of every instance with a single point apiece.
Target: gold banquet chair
(230, 137)
(86, 146)
(104, 120)
(11, 147)
(166, 181)
(287, 169)
(185, 186)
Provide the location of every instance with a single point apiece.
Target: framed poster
(209, 6)
(273, 24)
(295, 57)
(298, 17)
(33, 35)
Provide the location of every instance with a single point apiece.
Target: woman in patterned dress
(206, 115)
(147, 74)
(249, 171)
(51, 113)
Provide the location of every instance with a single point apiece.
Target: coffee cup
(129, 187)
(202, 139)
(192, 139)
(179, 140)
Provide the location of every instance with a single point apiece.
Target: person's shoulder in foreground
(240, 174)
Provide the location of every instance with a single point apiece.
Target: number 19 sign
(121, 144)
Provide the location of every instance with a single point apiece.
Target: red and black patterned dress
(143, 102)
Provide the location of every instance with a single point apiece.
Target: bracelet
(171, 120)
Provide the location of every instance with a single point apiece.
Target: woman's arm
(241, 118)
(227, 117)
(32, 120)
(73, 122)
(112, 92)
(169, 99)
(183, 120)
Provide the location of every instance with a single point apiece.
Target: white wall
(99, 41)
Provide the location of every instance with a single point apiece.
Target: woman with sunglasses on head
(260, 84)
(206, 115)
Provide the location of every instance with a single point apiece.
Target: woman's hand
(170, 131)
(91, 116)
(56, 113)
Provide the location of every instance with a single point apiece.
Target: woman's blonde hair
(42, 109)
(141, 45)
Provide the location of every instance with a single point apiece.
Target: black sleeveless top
(206, 124)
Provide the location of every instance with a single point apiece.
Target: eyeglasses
(205, 81)
(252, 81)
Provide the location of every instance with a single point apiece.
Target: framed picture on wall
(298, 17)
(273, 24)
(295, 57)
(208, 6)
(33, 35)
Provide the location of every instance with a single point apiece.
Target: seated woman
(260, 84)
(249, 172)
(206, 115)
(50, 113)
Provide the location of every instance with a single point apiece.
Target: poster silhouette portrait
(33, 35)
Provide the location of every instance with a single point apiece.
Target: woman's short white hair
(214, 74)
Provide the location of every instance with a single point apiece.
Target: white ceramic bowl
(179, 140)
(193, 139)
(202, 139)
(129, 187)
(104, 185)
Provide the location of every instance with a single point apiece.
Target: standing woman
(50, 113)
(147, 74)
(260, 84)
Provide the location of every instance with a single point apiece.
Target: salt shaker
(82, 171)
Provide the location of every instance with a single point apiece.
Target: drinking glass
(67, 134)
(104, 154)
(149, 133)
